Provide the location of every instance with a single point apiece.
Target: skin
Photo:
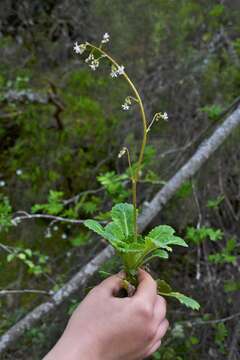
(111, 328)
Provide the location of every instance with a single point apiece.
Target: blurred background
(61, 128)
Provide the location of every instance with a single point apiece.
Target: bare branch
(24, 291)
(28, 216)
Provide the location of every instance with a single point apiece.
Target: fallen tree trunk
(205, 150)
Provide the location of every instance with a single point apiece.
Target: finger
(153, 348)
(147, 288)
(161, 331)
(160, 309)
(112, 284)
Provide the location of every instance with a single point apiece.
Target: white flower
(122, 152)
(120, 70)
(89, 58)
(19, 172)
(114, 74)
(106, 38)
(94, 64)
(117, 71)
(55, 228)
(64, 236)
(2, 183)
(164, 116)
(79, 48)
(125, 106)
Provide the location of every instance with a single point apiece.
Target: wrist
(70, 349)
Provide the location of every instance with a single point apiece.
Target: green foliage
(166, 290)
(231, 286)
(114, 184)
(136, 252)
(197, 236)
(34, 260)
(79, 240)
(226, 255)
(217, 10)
(5, 213)
(221, 333)
(214, 203)
(185, 190)
(213, 111)
(54, 205)
(184, 38)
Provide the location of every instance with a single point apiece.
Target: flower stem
(135, 174)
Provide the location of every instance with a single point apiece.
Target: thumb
(112, 284)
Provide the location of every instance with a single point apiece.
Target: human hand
(107, 327)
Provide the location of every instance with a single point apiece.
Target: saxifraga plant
(134, 249)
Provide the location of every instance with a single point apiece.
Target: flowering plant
(134, 249)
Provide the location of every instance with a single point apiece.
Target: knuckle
(145, 311)
(163, 302)
(150, 333)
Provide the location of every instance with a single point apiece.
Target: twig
(209, 322)
(27, 216)
(24, 291)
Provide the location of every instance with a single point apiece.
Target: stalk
(135, 175)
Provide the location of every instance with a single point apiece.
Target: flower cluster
(115, 72)
(106, 38)
(79, 48)
(163, 116)
(93, 63)
(127, 103)
(122, 152)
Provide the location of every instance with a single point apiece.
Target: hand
(111, 328)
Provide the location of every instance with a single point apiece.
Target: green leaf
(5, 213)
(134, 247)
(115, 230)
(185, 300)
(214, 203)
(157, 253)
(95, 226)
(163, 287)
(162, 236)
(54, 206)
(122, 215)
(106, 233)
(79, 240)
(197, 236)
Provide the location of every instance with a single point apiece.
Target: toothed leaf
(185, 300)
(115, 230)
(95, 226)
(163, 235)
(122, 215)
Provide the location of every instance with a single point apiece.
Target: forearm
(66, 349)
